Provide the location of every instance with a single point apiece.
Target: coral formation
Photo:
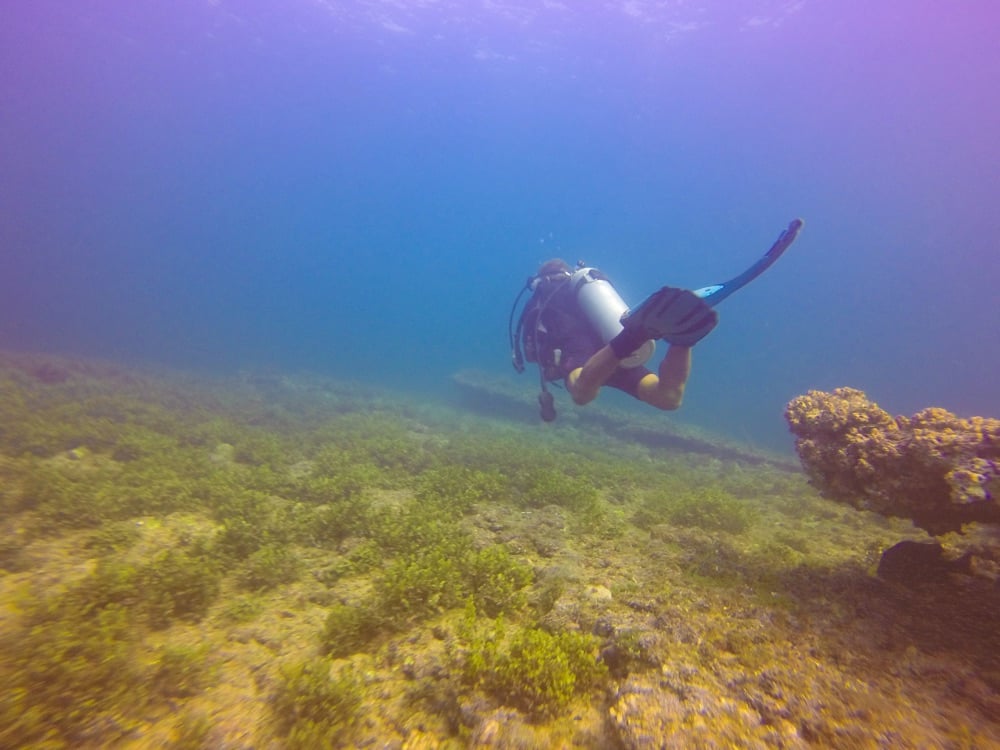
(935, 468)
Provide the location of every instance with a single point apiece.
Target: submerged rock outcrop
(939, 470)
(494, 395)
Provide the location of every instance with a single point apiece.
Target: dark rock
(616, 659)
(603, 627)
(913, 563)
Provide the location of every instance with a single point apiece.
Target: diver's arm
(584, 383)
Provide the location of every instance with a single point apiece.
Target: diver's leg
(584, 383)
(666, 390)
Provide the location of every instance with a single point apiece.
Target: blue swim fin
(715, 293)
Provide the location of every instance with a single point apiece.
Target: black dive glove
(677, 316)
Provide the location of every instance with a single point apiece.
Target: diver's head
(555, 269)
(553, 266)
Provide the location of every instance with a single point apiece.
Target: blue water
(361, 187)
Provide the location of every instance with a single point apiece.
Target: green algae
(425, 582)
(68, 677)
(706, 507)
(182, 671)
(268, 567)
(315, 704)
(310, 563)
(528, 667)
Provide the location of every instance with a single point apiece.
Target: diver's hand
(678, 316)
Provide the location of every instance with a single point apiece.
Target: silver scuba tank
(604, 308)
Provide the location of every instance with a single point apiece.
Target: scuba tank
(604, 308)
(601, 305)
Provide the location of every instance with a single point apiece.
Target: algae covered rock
(647, 714)
(939, 470)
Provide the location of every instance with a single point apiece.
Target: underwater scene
(269, 480)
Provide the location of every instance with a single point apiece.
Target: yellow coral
(933, 467)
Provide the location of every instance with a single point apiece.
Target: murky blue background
(361, 188)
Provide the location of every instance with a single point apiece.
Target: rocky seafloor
(273, 560)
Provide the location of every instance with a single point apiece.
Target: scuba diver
(578, 329)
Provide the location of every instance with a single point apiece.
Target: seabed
(282, 560)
